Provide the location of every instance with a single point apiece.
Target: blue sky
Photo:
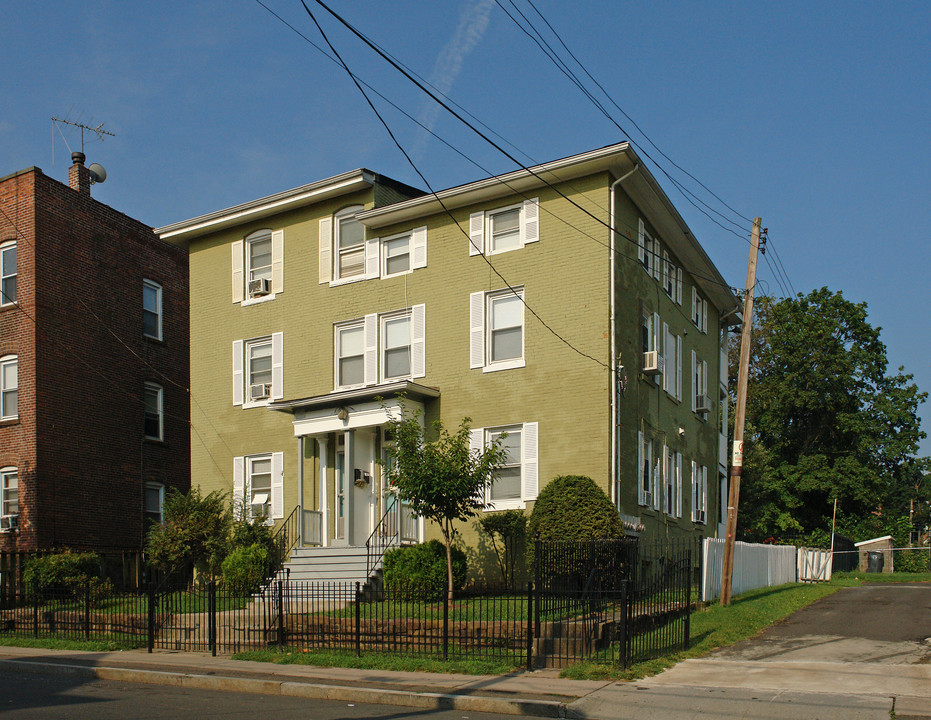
(813, 116)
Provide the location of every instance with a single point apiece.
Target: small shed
(881, 544)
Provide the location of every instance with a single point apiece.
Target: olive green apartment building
(568, 306)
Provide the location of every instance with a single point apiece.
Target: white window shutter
(657, 258)
(694, 304)
(530, 221)
(370, 333)
(277, 261)
(695, 389)
(477, 330)
(679, 368)
(704, 317)
(372, 258)
(325, 258)
(237, 372)
(694, 477)
(529, 464)
(704, 377)
(678, 485)
(657, 483)
(277, 508)
(419, 247)
(277, 366)
(679, 285)
(667, 270)
(641, 247)
(238, 282)
(665, 351)
(641, 496)
(418, 341)
(477, 233)
(239, 484)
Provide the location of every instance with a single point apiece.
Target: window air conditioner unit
(653, 363)
(260, 391)
(702, 403)
(9, 522)
(262, 286)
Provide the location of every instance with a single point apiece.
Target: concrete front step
(343, 565)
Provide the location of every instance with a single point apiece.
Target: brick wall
(88, 370)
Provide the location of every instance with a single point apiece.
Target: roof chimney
(79, 177)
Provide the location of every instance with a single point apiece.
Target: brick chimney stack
(79, 177)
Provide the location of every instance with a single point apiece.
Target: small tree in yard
(196, 529)
(442, 479)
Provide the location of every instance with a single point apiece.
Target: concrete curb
(293, 688)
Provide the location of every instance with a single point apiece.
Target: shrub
(244, 569)
(196, 530)
(420, 570)
(510, 529)
(573, 507)
(912, 561)
(62, 574)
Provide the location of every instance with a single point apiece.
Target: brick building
(93, 367)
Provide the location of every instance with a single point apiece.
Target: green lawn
(110, 645)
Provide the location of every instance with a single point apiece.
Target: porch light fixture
(343, 414)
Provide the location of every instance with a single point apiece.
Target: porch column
(349, 468)
(300, 491)
(323, 448)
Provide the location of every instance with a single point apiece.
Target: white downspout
(615, 445)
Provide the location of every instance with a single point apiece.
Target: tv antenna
(96, 129)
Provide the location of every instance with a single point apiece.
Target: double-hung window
(496, 321)
(646, 479)
(154, 412)
(673, 475)
(672, 279)
(672, 364)
(380, 348)
(516, 481)
(396, 255)
(350, 355)
(699, 493)
(153, 501)
(9, 491)
(8, 273)
(9, 387)
(699, 311)
(504, 229)
(258, 370)
(258, 266)
(648, 251)
(151, 309)
(701, 402)
(651, 337)
(349, 237)
(258, 485)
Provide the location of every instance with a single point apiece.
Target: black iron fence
(616, 603)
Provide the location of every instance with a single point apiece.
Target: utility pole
(727, 565)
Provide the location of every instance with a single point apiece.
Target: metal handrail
(285, 538)
(375, 550)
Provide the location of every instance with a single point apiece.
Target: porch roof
(413, 390)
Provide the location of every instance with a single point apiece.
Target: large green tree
(440, 476)
(824, 418)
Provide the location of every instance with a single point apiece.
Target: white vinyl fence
(813, 565)
(755, 566)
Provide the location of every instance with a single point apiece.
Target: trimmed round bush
(63, 574)
(244, 569)
(420, 570)
(573, 507)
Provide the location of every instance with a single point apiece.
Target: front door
(354, 496)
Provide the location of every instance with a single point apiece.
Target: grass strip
(61, 644)
(377, 661)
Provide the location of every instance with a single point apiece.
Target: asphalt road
(29, 696)
(889, 624)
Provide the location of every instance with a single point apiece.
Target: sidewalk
(693, 689)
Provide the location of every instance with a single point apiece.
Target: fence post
(358, 621)
(688, 598)
(35, 609)
(87, 608)
(150, 630)
(212, 616)
(529, 626)
(622, 631)
(280, 615)
(445, 626)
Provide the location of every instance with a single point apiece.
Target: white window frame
(480, 224)
(5, 474)
(242, 485)
(648, 250)
(242, 270)
(347, 214)
(152, 285)
(699, 311)
(383, 252)
(481, 308)
(5, 391)
(150, 387)
(655, 338)
(383, 321)
(242, 374)
(157, 486)
(699, 384)
(672, 474)
(646, 482)
(373, 344)
(529, 463)
(5, 275)
(338, 329)
(699, 493)
(672, 363)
